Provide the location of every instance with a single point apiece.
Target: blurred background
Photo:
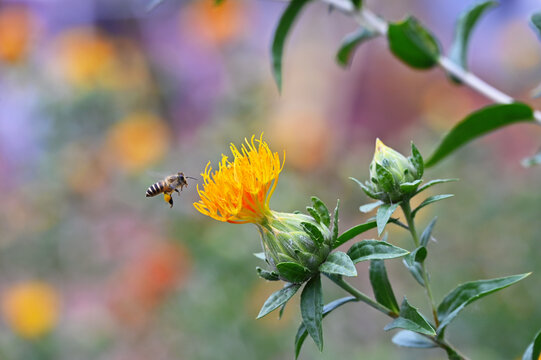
(99, 99)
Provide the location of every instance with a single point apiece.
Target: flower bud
(295, 245)
(393, 176)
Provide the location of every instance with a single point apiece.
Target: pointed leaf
(410, 339)
(384, 214)
(383, 291)
(533, 350)
(322, 211)
(267, 275)
(366, 188)
(327, 309)
(480, 123)
(335, 223)
(374, 250)
(278, 299)
(280, 35)
(413, 44)
(411, 319)
(312, 309)
(410, 187)
(427, 233)
(313, 213)
(354, 231)
(338, 263)
(466, 22)
(413, 261)
(434, 182)
(366, 208)
(467, 293)
(351, 42)
(293, 272)
(313, 232)
(417, 160)
(429, 200)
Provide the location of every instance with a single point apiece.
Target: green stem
(406, 208)
(338, 280)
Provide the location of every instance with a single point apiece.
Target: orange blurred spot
(137, 141)
(31, 308)
(16, 23)
(521, 46)
(84, 170)
(147, 280)
(215, 23)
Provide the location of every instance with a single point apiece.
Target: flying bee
(168, 185)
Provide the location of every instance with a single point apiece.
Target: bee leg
(168, 198)
(178, 192)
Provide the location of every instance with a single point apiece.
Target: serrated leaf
(278, 299)
(335, 223)
(417, 160)
(533, 350)
(338, 263)
(313, 213)
(469, 292)
(536, 22)
(267, 275)
(434, 182)
(280, 35)
(429, 200)
(350, 44)
(413, 44)
(374, 250)
(413, 261)
(480, 123)
(532, 161)
(466, 22)
(354, 231)
(427, 233)
(366, 208)
(410, 339)
(384, 214)
(293, 272)
(411, 319)
(313, 232)
(327, 309)
(383, 291)
(322, 210)
(312, 309)
(409, 187)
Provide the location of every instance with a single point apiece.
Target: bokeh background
(99, 99)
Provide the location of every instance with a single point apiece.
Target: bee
(168, 185)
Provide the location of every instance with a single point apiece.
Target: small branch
(368, 19)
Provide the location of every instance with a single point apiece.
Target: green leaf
(293, 272)
(322, 211)
(413, 44)
(367, 189)
(338, 263)
(434, 182)
(480, 123)
(385, 178)
(532, 161)
(467, 293)
(427, 233)
(278, 299)
(417, 160)
(413, 262)
(312, 309)
(366, 208)
(411, 319)
(410, 339)
(327, 309)
(357, 4)
(383, 291)
(534, 349)
(374, 250)
(410, 187)
(313, 232)
(384, 214)
(466, 22)
(267, 275)
(429, 200)
(351, 42)
(536, 22)
(335, 223)
(282, 30)
(354, 231)
(313, 213)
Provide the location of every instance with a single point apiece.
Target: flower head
(240, 190)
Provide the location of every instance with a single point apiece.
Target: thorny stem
(406, 208)
(367, 18)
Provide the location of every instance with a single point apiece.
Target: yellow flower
(239, 191)
(31, 308)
